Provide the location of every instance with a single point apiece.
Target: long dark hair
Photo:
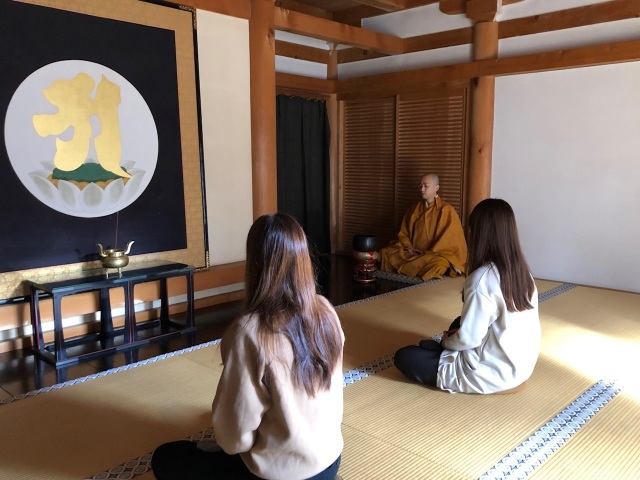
(493, 237)
(281, 290)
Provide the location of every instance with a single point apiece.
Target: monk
(431, 240)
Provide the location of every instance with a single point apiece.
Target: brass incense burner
(115, 257)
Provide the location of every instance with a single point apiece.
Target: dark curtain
(303, 166)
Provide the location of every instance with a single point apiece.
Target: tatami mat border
(108, 372)
(398, 277)
(535, 450)
(366, 370)
(554, 292)
(518, 464)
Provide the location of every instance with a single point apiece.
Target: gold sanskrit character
(75, 107)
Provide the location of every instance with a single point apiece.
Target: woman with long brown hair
(278, 406)
(494, 345)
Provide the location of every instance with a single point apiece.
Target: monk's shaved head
(429, 186)
(433, 177)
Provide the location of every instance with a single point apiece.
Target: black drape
(303, 166)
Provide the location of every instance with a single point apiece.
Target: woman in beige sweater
(278, 407)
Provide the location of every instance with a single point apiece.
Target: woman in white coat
(494, 345)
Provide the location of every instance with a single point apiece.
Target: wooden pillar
(485, 46)
(263, 107)
(334, 154)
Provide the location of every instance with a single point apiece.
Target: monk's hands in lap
(413, 251)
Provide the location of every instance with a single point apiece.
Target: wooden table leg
(106, 322)
(58, 333)
(130, 334)
(164, 306)
(190, 321)
(36, 324)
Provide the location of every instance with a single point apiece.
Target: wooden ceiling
(338, 22)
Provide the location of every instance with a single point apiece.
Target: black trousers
(183, 460)
(420, 362)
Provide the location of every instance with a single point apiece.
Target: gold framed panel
(181, 23)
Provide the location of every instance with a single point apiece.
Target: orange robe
(435, 230)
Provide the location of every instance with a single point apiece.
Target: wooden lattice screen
(430, 138)
(389, 144)
(368, 169)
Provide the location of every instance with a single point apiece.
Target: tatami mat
(594, 332)
(467, 433)
(393, 429)
(372, 458)
(483, 428)
(80, 430)
(378, 327)
(598, 310)
(606, 448)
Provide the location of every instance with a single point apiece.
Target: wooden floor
(21, 372)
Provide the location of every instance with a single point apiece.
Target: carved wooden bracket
(476, 10)
(483, 10)
(453, 7)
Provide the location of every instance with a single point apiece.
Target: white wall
(223, 56)
(567, 157)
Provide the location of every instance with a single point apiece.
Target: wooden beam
(305, 84)
(233, 8)
(295, 22)
(354, 15)
(627, 51)
(560, 20)
(304, 8)
(448, 38)
(430, 41)
(386, 5)
(219, 276)
(571, 18)
(418, 3)
(348, 55)
(301, 52)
